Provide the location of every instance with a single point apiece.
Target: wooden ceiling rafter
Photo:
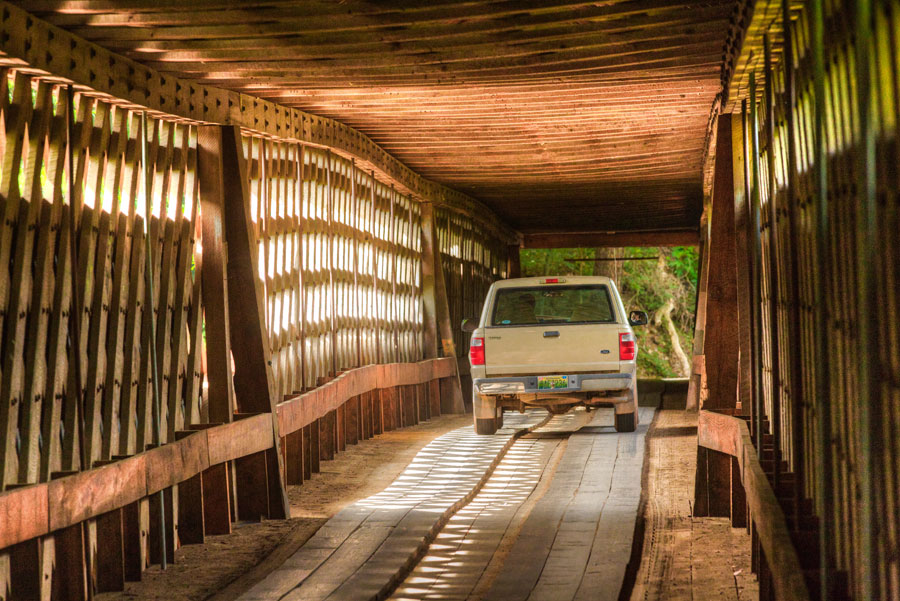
(532, 106)
(31, 44)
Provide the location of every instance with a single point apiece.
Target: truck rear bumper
(575, 383)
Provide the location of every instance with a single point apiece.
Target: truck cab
(553, 342)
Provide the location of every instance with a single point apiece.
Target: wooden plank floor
(554, 522)
(577, 540)
(359, 552)
(685, 558)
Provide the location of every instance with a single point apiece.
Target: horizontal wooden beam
(610, 239)
(731, 435)
(304, 409)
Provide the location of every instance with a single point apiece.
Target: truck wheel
(625, 422)
(484, 412)
(485, 426)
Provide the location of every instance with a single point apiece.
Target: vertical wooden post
(293, 452)
(301, 261)
(332, 322)
(718, 472)
(110, 552)
(71, 571)
(772, 256)
(25, 573)
(169, 497)
(742, 258)
(754, 234)
(315, 448)
(451, 390)
(430, 265)
(738, 496)
(701, 484)
(215, 287)
(374, 258)
(357, 301)
(252, 489)
(697, 365)
(306, 449)
(824, 462)
(870, 395)
(135, 523)
(216, 499)
(795, 360)
(190, 511)
(392, 245)
(720, 345)
(254, 382)
(513, 262)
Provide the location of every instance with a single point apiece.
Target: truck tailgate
(551, 349)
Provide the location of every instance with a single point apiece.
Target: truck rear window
(552, 304)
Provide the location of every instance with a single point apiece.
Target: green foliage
(539, 261)
(684, 262)
(654, 365)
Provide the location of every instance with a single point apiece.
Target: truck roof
(542, 280)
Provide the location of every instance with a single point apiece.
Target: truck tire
(625, 422)
(484, 412)
(485, 426)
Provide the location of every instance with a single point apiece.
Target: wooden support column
(252, 487)
(170, 498)
(513, 262)
(306, 449)
(254, 381)
(190, 511)
(433, 392)
(720, 345)
(25, 574)
(351, 421)
(695, 385)
(217, 499)
(215, 288)
(136, 522)
(430, 264)
(326, 436)
(712, 486)
(293, 457)
(315, 448)
(738, 496)
(438, 312)
(110, 557)
(71, 571)
(743, 263)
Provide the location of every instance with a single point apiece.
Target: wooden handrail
(730, 435)
(303, 409)
(37, 510)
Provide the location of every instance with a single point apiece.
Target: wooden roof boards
(560, 115)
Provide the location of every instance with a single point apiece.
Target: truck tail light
(476, 351)
(626, 346)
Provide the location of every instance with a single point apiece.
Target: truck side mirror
(638, 318)
(469, 325)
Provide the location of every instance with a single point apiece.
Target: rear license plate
(552, 382)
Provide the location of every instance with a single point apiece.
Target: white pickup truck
(553, 342)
